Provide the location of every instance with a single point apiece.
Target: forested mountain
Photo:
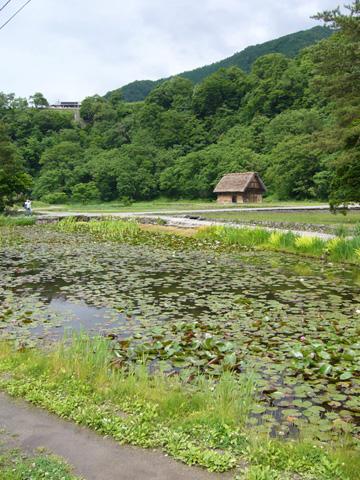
(289, 45)
(294, 120)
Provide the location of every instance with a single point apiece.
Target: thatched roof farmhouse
(244, 187)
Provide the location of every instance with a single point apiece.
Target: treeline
(295, 121)
(289, 45)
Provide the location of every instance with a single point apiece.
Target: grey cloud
(71, 49)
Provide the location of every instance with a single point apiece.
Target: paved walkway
(92, 456)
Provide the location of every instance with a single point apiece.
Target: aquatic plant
(106, 229)
(185, 310)
(202, 422)
(8, 221)
(304, 242)
(310, 245)
(356, 229)
(234, 236)
(217, 238)
(341, 231)
(337, 249)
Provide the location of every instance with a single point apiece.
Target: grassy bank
(20, 221)
(161, 204)
(330, 221)
(201, 421)
(337, 249)
(220, 238)
(14, 465)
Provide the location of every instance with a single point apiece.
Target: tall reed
(337, 249)
(6, 221)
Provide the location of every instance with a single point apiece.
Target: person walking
(27, 206)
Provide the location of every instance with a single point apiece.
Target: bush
(55, 198)
(126, 201)
(85, 192)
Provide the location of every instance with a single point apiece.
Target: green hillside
(292, 119)
(289, 45)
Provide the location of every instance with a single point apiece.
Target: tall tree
(337, 63)
(38, 100)
(14, 181)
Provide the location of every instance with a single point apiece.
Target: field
(159, 205)
(214, 349)
(323, 220)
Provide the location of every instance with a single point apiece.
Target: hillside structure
(66, 105)
(244, 187)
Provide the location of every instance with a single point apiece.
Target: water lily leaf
(325, 369)
(324, 355)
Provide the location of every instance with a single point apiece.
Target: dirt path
(92, 456)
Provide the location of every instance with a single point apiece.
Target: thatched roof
(237, 182)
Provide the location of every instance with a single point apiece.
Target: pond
(296, 321)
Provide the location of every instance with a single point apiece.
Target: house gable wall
(250, 196)
(228, 197)
(240, 188)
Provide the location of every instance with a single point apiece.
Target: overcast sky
(69, 49)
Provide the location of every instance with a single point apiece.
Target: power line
(14, 15)
(6, 3)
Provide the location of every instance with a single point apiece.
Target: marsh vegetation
(160, 316)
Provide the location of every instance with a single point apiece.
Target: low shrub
(56, 198)
(85, 192)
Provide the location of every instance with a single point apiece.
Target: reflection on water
(264, 303)
(82, 286)
(76, 317)
(81, 316)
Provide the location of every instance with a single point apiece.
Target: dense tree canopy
(14, 181)
(338, 78)
(294, 120)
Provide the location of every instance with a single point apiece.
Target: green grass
(186, 420)
(16, 221)
(16, 466)
(337, 249)
(307, 218)
(104, 230)
(158, 205)
(218, 238)
(202, 422)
